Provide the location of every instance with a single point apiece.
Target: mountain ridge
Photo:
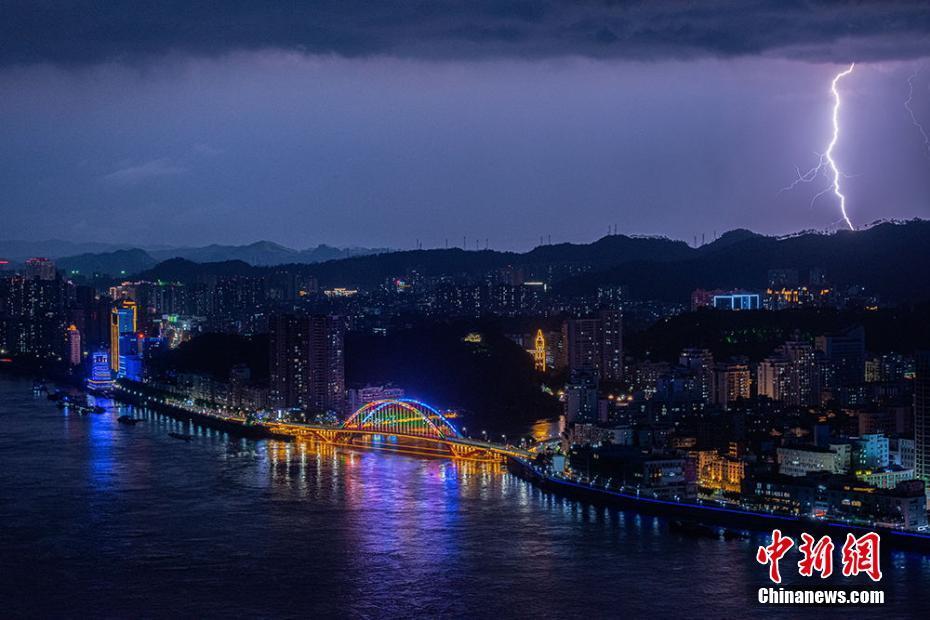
(885, 259)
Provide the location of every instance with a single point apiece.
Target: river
(102, 519)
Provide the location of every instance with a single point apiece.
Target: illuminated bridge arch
(401, 416)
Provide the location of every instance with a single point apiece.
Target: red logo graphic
(817, 556)
(860, 555)
(773, 553)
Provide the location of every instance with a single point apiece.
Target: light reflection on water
(97, 517)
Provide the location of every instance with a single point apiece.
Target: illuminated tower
(539, 353)
(74, 345)
(122, 322)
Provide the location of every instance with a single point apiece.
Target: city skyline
(464, 308)
(289, 135)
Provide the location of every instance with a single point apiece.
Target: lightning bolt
(826, 165)
(907, 106)
(836, 137)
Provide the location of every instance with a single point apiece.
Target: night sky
(380, 123)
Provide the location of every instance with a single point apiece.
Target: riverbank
(227, 425)
(714, 516)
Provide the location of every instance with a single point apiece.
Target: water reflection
(545, 429)
(126, 521)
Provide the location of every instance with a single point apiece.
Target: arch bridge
(404, 426)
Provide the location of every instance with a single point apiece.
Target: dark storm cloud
(81, 32)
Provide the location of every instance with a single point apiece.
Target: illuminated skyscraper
(122, 324)
(539, 352)
(74, 345)
(732, 382)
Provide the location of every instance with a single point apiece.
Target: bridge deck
(323, 431)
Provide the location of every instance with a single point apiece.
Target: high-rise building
(595, 345)
(922, 417)
(33, 311)
(74, 345)
(308, 363)
(700, 363)
(788, 375)
(732, 381)
(582, 339)
(581, 400)
(122, 324)
(845, 352)
(40, 269)
(611, 344)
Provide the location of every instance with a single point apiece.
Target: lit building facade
(100, 378)
(539, 352)
(788, 376)
(40, 269)
(719, 473)
(732, 382)
(308, 363)
(74, 346)
(737, 301)
(123, 321)
(800, 461)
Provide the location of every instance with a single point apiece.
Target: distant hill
(183, 270)
(114, 260)
(19, 251)
(262, 253)
(258, 253)
(889, 259)
(120, 262)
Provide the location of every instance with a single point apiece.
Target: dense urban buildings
(779, 406)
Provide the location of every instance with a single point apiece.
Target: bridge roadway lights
(326, 434)
(412, 426)
(475, 454)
